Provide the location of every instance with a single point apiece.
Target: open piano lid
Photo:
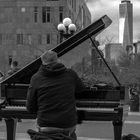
(24, 75)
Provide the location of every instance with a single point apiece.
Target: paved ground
(86, 131)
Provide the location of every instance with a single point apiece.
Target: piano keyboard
(89, 109)
(15, 108)
(16, 112)
(95, 109)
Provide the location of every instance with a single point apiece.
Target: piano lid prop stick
(94, 45)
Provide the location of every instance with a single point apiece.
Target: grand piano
(99, 103)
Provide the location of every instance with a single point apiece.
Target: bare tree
(106, 39)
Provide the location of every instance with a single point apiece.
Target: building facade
(29, 27)
(112, 52)
(126, 24)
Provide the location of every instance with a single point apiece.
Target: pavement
(24, 136)
(86, 131)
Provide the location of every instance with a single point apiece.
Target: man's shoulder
(71, 71)
(36, 76)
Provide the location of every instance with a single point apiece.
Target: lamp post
(66, 28)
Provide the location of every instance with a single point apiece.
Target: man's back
(51, 95)
(56, 87)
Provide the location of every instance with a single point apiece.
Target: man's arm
(79, 85)
(31, 103)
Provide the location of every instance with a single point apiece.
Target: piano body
(99, 103)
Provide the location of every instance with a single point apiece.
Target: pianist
(51, 97)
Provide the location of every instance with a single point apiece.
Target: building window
(46, 12)
(10, 59)
(57, 39)
(23, 10)
(0, 39)
(48, 39)
(70, 2)
(39, 39)
(35, 14)
(29, 37)
(19, 38)
(60, 14)
(8, 11)
(74, 5)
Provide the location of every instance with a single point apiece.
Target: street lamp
(66, 28)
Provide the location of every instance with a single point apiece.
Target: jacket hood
(52, 69)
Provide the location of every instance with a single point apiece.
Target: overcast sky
(99, 8)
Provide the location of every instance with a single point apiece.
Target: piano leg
(117, 130)
(11, 128)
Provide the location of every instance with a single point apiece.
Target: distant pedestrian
(14, 68)
(1, 76)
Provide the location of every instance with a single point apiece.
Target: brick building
(29, 27)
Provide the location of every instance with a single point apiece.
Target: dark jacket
(52, 95)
